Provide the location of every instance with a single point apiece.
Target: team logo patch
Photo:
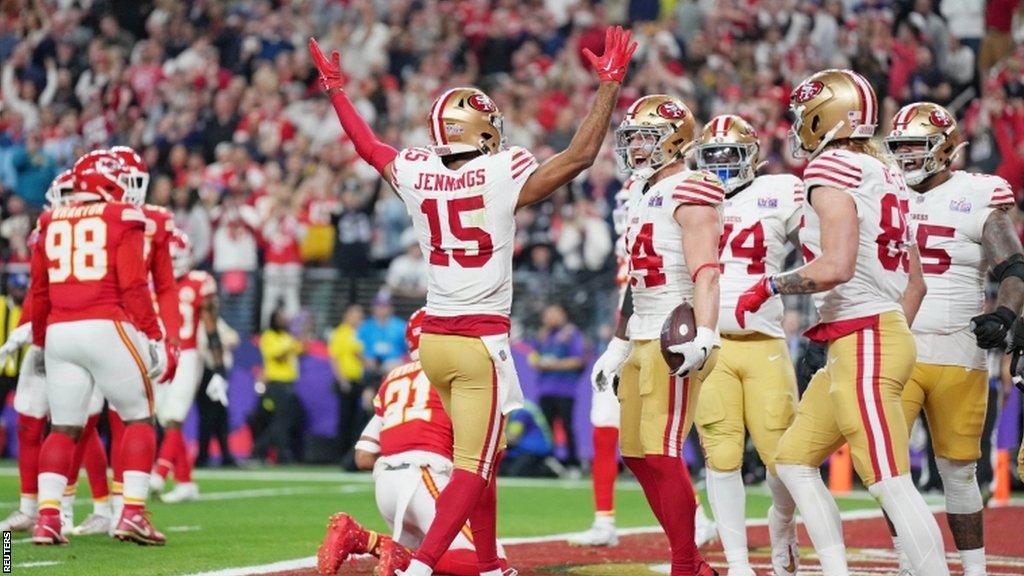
(671, 110)
(961, 205)
(655, 201)
(807, 91)
(940, 118)
(452, 129)
(481, 103)
(767, 202)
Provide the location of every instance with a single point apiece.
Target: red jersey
(88, 265)
(412, 413)
(193, 290)
(157, 252)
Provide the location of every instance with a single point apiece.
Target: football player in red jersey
(408, 445)
(197, 291)
(94, 321)
(159, 224)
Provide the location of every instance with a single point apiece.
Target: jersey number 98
(77, 250)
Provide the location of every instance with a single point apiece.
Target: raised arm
(1003, 250)
(561, 168)
(367, 145)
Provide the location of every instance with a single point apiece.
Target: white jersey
(759, 221)
(658, 274)
(465, 222)
(947, 223)
(881, 196)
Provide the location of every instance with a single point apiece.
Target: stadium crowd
(221, 100)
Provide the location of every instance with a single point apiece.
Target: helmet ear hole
(815, 122)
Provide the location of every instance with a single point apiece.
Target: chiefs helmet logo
(807, 91)
(481, 103)
(671, 110)
(940, 118)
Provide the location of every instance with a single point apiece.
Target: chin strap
(827, 138)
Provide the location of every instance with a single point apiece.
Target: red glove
(331, 77)
(753, 298)
(618, 49)
(172, 352)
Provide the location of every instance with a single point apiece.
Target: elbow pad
(1012, 266)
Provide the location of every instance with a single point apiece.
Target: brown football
(679, 328)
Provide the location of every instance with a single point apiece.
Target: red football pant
(116, 440)
(605, 469)
(174, 454)
(89, 450)
(454, 505)
(30, 441)
(667, 486)
(483, 521)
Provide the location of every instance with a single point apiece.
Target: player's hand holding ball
(685, 345)
(609, 364)
(753, 298)
(618, 49)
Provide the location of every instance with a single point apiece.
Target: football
(679, 328)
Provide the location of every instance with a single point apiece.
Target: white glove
(609, 364)
(157, 358)
(15, 340)
(217, 389)
(695, 352)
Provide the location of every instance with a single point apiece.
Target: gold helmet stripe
(436, 122)
(869, 111)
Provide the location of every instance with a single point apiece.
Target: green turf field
(268, 515)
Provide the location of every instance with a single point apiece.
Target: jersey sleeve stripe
(522, 162)
(528, 168)
(1002, 200)
(518, 154)
(694, 185)
(834, 164)
(825, 179)
(696, 195)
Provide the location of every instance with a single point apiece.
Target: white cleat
(186, 491)
(596, 536)
(67, 521)
(18, 521)
(156, 483)
(705, 534)
(94, 524)
(906, 572)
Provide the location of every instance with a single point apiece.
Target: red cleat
(344, 537)
(136, 527)
(393, 557)
(47, 530)
(705, 569)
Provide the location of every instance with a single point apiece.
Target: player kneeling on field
(408, 445)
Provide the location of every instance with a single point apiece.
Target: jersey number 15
(455, 207)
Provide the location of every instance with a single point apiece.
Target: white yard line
(39, 564)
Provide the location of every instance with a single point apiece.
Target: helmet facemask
(135, 183)
(649, 141)
(733, 162)
(921, 161)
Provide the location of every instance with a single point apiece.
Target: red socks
(30, 440)
(182, 462)
(678, 507)
(639, 468)
(138, 447)
(483, 521)
(56, 453)
(169, 450)
(96, 466)
(605, 469)
(462, 562)
(76, 461)
(454, 506)
(116, 440)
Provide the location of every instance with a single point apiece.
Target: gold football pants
(954, 399)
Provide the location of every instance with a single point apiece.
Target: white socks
(820, 514)
(417, 568)
(51, 489)
(29, 506)
(604, 521)
(136, 486)
(974, 562)
(781, 526)
(101, 507)
(918, 531)
(729, 504)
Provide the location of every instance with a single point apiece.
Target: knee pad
(724, 455)
(960, 483)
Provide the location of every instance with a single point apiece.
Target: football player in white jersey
(866, 281)
(753, 386)
(962, 231)
(672, 235)
(462, 193)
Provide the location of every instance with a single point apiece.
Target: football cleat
(184, 492)
(18, 521)
(598, 535)
(394, 558)
(47, 531)
(344, 537)
(705, 569)
(93, 524)
(137, 528)
(156, 483)
(705, 532)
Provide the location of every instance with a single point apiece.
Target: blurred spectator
(407, 274)
(14, 230)
(997, 43)
(234, 257)
(530, 447)
(966, 19)
(10, 314)
(585, 241)
(213, 416)
(280, 352)
(560, 350)
(383, 338)
(352, 250)
(346, 351)
(22, 95)
(282, 233)
(34, 169)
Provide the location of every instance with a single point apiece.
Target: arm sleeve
(40, 294)
(131, 273)
(369, 440)
(166, 290)
(368, 146)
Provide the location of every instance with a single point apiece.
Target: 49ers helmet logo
(481, 103)
(807, 91)
(940, 118)
(671, 110)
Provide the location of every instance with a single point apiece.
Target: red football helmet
(60, 189)
(98, 177)
(136, 176)
(181, 253)
(412, 332)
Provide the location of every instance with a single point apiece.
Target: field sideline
(263, 516)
